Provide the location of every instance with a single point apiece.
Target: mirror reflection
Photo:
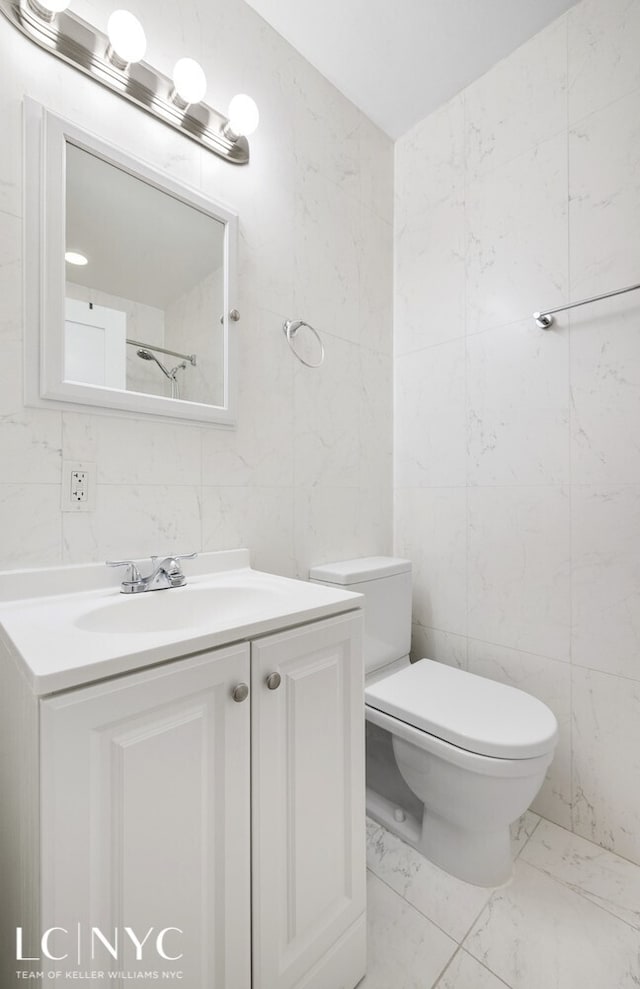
(145, 285)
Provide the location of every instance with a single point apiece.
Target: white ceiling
(398, 60)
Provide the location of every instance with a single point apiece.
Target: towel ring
(290, 327)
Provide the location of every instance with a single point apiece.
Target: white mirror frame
(46, 138)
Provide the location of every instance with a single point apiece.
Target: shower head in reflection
(147, 355)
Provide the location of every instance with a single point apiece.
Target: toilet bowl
(472, 752)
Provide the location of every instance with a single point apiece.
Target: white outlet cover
(69, 505)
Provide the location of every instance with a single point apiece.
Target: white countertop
(54, 630)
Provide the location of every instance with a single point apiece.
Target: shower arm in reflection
(192, 358)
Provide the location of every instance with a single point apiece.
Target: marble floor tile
(464, 972)
(538, 933)
(406, 951)
(609, 881)
(449, 902)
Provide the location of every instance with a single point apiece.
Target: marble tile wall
(517, 452)
(306, 476)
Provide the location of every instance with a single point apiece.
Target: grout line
(530, 836)
(412, 906)
(579, 890)
(447, 966)
(478, 962)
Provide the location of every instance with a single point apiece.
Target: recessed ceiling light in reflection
(73, 257)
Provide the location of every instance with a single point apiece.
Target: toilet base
(483, 858)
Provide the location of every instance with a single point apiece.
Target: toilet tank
(385, 582)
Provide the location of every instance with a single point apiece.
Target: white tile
(326, 416)
(405, 950)
(448, 902)
(519, 568)
(550, 681)
(11, 67)
(326, 237)
(607, 880)
(606, 578)
(606, 761)
(430, 427)
(375, 161)
(518, 103)
(326, 526)
(445, 647)
(374, 519)
(521, 831)
(605, 391)
(10, 272)
(517, 238)
(326, 130)
(375, 420)
(429, 165)
(260, 519)
(31, 446)
(603, 43)
(604, 190)
(132, 521)
(30, 525)
(430, 530)
(430, 278)
(518, 406)
(537, 933)
(375, 283)
(260, 449)
(465, 972)
(134, 451)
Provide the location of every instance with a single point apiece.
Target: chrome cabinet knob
(273, 681)
(240, 693)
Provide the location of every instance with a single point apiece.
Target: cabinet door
(146, 823)
(308, 799)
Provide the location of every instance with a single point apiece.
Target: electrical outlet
(78, 487)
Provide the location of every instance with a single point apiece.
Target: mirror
(136, 283)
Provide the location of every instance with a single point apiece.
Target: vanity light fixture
(74, 257)
(127, 40)
(47, 9)
(115, 61)
(243, 116)
(189, 82)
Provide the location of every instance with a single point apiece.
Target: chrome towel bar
(544, 319)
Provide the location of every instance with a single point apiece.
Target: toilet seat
(470, 712)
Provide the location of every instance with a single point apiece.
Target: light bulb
(127, 39)
(74, 257)
(189, 80)
(48, 8)
(243, 115)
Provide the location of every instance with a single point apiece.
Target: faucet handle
(134, 573)
(133, 580)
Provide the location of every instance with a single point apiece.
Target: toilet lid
(469, 711)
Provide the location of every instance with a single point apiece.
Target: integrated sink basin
(179, 608)
(65, 626)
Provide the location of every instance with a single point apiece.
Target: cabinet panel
(308, 796)
(146, 808)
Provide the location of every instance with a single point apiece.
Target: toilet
(452, 758)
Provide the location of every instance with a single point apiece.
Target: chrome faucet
(166, 573)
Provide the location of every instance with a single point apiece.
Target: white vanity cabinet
(168, 803)
(145, 817)
(308, 807)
